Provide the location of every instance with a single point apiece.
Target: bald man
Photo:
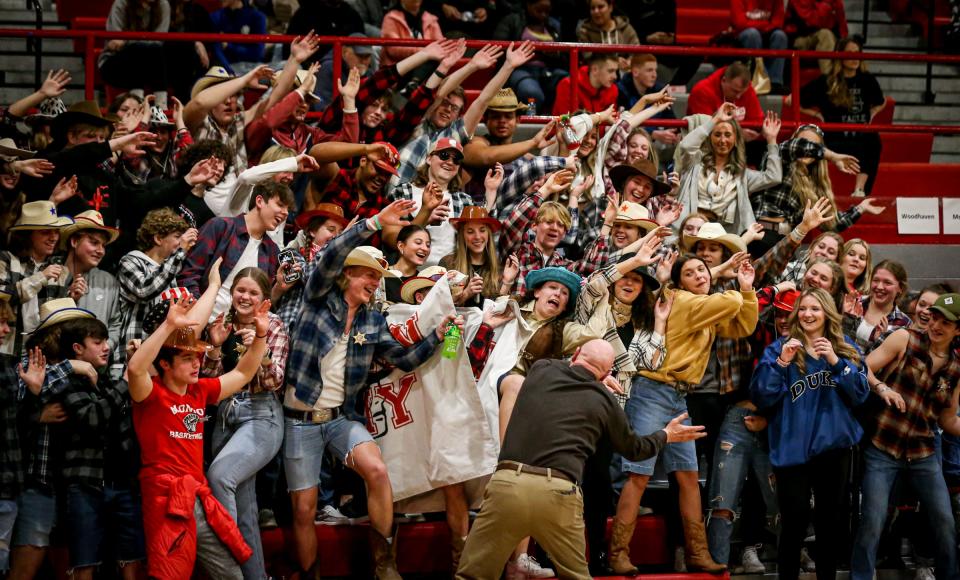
(563, 409)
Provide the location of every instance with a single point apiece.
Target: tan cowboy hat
(369, 257)
(9, 149)
(621, 173)
(634, 214)
(505, 101)
(186, 339)
(302, 78)
(60, 310)
(39, 215)
(88, 220)
(714, 232)
(424, 280)
(214, 76)
(87, 112)
(475, 213)
(324, 210)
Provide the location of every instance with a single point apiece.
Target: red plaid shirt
(480, 348)
(909, 435)
(344, 190)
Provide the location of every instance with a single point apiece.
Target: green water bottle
(451, 342)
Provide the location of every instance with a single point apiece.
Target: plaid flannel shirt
(896, 319)
(270, 377)
(322, 322)
(11, 458)
(910, 435)
(40, 454)
(480, 348)
(779, 201)
(232, 137)
(94, 416)
(795, 269)
(141, 168)
(458, 199)
(415, 152)
(734, 356)
(344, 190)
(226, 238)
(525, 173)
(141, 281)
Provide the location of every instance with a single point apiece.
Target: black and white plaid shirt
(96, 420)
(11, 458)
(141, 281)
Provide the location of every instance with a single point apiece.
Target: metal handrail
(574, 49)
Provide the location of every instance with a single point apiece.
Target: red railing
(574, 50)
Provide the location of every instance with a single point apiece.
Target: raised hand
(847, 163)
(487, 56)
(677, 432)
(663, 306)
(432, 196)
(440, 213)
(665, 266)
(438, 49)
(188, 239)
(494, 178)
(306, 163)
(454, 53)
(771, 127)
(381, 152)
(496, 320)
(132, 143)
(871, 207)
(646, 251)
(261, 318)
(557, 182)
(303, 47)
(352, 87)
(394, 214)
(789, 350)
(577, 191)
(726, 112)
(511, 269)
(543, 136)
(177, 314)
(607, 116)
(669, 213)
(218, 331)
(36, 371)
(752, 233)
(824, 349)
(205, 172)
(213, 276)
(852, 304)
(519, 56)
(55, 84)
(176, 109)
(261, 73)
(817, 213)
(746, 275)
(34, 167)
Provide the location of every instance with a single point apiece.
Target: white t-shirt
(333, 372)
(248, 259)
(442, 237)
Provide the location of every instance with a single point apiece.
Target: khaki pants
(517, 505)
(822, 39)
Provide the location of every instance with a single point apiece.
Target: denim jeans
(739, 452)
(36, 517)
(247, 435)
(8, 515)
(104, 521)
(881, 470)
(776, 40)
(651, 406)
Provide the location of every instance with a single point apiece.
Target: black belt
(316, 416)
(534, 470)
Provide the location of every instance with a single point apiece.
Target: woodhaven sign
(918, 215)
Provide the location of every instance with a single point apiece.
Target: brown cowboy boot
(384, 556)
(619, 556)
(698, 556)
(456, 550)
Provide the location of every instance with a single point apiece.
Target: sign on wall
(951, 215)
(918, 215)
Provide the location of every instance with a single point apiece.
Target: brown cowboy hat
(325, 210)
(186, 339)
(621, 173)
(87, 112)
(475, 213)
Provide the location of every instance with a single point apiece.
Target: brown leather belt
(533, 470)
(316, 417)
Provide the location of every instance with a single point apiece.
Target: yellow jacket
(694, 322)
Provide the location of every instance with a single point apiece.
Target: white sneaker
(858, 193)
(679, 560)
(526, 566)
(925, 573)
(806, 562)
(330, 516)
(751, 561)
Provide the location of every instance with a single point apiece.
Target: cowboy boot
(456, 550)
(384, 556)
(698, 556)
(619, 556)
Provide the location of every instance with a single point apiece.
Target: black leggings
(827, 476)
(136, 66)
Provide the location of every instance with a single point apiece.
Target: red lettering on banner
(407, 334)
(397, 399)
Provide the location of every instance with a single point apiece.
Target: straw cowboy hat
(423, 281)
(635, 214)
(39, 215)
(88, 220)
(214, 76)
(186, 339)
(505, 101)
(476, 213)
(60, 310)
(9, 150)
(714, 232)
(324, 210)
(620, 174)
(301, 78)
(369, 257)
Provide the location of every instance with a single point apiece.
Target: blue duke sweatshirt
(810, 412)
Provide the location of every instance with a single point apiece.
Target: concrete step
(13, 94)
(16, 65)
(877, 43)
(23, 5)
(891, 84)
(879, 29)
(906, 98)
(901, 69)
(944, 158)
(854, 11)
(27, 17)
(20, 45)
(931, 115)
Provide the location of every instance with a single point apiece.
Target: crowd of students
(194, 297)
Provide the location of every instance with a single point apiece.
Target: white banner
(951, 215)
(918, 215)
(432, 424)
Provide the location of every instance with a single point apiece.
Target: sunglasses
(450, 156)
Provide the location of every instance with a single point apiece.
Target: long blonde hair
(832, 328)
(460, 261)
(862, 282)
(837, 90)
(812, 182)
(736, 162)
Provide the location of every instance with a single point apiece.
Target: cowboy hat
(505, 101)
(86, 112)
(302, 78)
(649, 282)
(620, 174)
(424, 280)
(186, 339)
(214, 76)
(88, 220)
(158, 311)
(369, 257)
(50, 109)
(785, 300)
(39, 215)
(159, 119)
(476, 213)
(9, 149)
(572, 281)
(635, 214)
(60, 310)
(714, 232)
(324, 210)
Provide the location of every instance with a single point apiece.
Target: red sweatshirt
(589, 98)
(707, 96)
(770, 11)
(807, 16)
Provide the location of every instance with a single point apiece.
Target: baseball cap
(391, 165)
(447, 143)
(361, 50)
(949, 306)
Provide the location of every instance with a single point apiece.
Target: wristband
(264, 335)
(439, 74)
(352, 111)
(882, 390)
(782, 362)
(376, 222)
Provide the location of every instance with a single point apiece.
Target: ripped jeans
(739, 451)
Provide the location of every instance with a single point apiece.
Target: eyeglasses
(450, 156)
(448, 105)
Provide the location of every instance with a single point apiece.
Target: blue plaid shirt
(323, 320)
(415, 152)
